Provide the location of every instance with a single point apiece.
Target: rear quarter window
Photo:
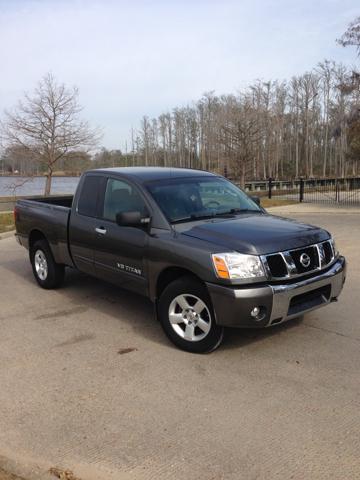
(89, 196)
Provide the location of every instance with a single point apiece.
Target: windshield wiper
(206, 215)
(193, 216)
(233, 210)
(236, 210)
(197, 215)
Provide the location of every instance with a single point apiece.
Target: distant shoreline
(28, 186)
(9, 175)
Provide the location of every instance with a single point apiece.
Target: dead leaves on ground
(62, 473)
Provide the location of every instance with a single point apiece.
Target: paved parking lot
(90, 382)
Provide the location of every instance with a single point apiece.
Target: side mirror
(256, 199)
(128, 219)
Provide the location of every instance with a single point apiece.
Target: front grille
(277, 265)
(328, 252)
(294, 262)
(312, 253)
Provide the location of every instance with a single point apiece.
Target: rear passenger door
(121, 252)
(82, 224)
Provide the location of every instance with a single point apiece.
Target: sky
(131, 58)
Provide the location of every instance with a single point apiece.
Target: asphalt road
(89, 382)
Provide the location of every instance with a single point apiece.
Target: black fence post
(336, 190)
(301, 189)
(270, 186)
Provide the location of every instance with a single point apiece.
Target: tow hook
(334, 299)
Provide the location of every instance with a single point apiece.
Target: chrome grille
(328, 252)
(277, 265)
(299, 261)
(312, 253)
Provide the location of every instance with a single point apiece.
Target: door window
(121, 197)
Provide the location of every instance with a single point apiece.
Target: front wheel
(187, 317)
(47, 272)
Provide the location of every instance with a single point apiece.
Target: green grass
(273, 202)
(6, 222)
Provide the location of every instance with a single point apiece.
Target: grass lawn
(6, 222)
(274, 202)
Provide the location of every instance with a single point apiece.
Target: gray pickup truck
(208, 255)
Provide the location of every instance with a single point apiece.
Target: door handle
(101, 231)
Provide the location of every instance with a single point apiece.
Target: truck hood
(255, 234)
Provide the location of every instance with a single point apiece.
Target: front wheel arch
(169, 275)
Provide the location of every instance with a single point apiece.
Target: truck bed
(61, 201)
(46, 217)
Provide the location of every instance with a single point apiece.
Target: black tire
(47, 273)
(190, 326)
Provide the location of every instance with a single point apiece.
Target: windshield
(187, 198)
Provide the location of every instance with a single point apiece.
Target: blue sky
(132, 58)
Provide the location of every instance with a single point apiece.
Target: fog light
(255, 312)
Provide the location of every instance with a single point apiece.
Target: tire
(47, 273)
(187, 317)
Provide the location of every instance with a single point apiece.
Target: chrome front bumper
(277, 303)
(290, 301)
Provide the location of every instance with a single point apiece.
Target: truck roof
(156, 173)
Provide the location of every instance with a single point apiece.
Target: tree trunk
(242, 176)
(48, 182)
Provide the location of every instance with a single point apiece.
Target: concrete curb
(7, 234)
(317, 208)
(24, 471)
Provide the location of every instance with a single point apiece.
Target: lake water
(36, 186)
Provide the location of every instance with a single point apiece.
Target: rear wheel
(47, 272)
(187, 316)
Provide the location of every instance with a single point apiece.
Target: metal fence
(345, 191)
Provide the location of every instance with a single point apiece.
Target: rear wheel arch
(35, 236)
(47, 272)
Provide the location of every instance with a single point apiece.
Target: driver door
(121, 252)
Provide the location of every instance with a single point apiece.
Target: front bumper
(277, 303)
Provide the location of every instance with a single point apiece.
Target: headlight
(237, 265)
(334, 247)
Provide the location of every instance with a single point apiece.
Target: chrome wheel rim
(189, 317)
(41, 265)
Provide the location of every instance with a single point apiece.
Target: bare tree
(276, 129)
(240, 133)
(352, 35)
(47, 127)
(145, 131)
(133, 135)
(326, 70)
(164, 136)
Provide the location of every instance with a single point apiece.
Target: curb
(313, 208)
(7, 234)
(23, 471)
(282, 212)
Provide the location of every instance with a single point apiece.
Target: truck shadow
(130, 308)
(139, 311)
(238, 338)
